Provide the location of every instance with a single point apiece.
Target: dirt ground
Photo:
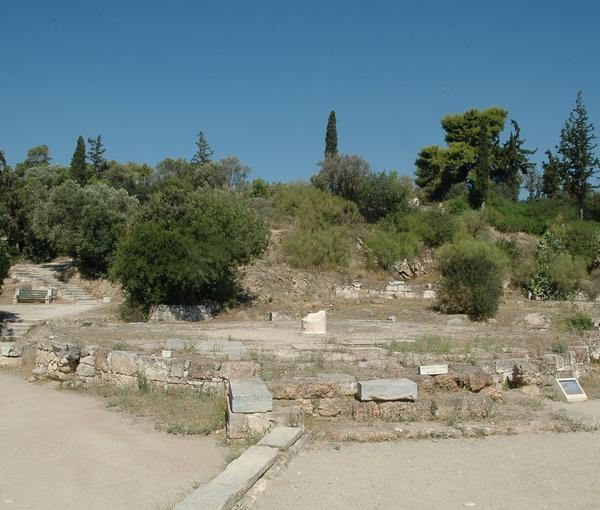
(541, 471)
(62, 450)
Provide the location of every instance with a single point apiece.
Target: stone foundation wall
(189, 313)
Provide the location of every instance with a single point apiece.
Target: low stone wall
(189, 313)
(91, 365)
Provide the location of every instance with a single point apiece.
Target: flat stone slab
(224, 491)
(281, 437)
(250, 396)
(433, 369)
(387, 390)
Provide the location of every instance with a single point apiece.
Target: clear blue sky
(259, 78)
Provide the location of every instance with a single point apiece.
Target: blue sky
(259, 78)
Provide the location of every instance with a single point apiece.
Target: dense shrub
(184, 247)
(343, 175)
(557, 273)
(580, 322)
(85, 223)
(471, 282)
(324, 248)
(388, 247)
(434, 226)
(381, 194)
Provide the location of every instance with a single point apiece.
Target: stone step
(249, 396)
(281, 437)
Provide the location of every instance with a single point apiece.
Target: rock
(88, 360)
(280, 316)
(328, 408)
(391, 318)
(39, 371)
(66, 350)
(479, 380)
(84, 370)
(249, 396)
(166, 353)
(445, 383)
(537, 320)
(303, 388)
(244, 426)
(345, 384)
(387, 390)
(287, 415)
(281, 437)
(429, 294)
(531, 390)
(314, 323)
(189, 313)
(123, 362)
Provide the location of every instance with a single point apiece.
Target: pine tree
(576, 153)
(78, 168)
(479, 179)
(513, 163)
(204, 152)
(96, 155)
(552, 177)
(331, 139)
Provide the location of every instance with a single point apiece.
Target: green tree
(183, 247)
(438, 169)
(552, 176)
(37, 156)
(343, 175)
(4, 262)
(203, 152)
(512, 163)
(382, 193)
(576, 153)
(96, 155)
(78, 167)
(479, 179)
(331, 138)
(85, 223)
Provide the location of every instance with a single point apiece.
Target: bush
(381, 194)
(184, 247)
(85, 223)
(389, 247)
(580, 322)
(325, 248)
(342, 175)
(434, 226)
(471, 282)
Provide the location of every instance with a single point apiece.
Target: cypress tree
(204, 152)
(576, 152)
(479, 181)
(331, 140)
(78, 168)
(96, 155)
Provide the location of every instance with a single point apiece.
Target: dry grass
(174, 411)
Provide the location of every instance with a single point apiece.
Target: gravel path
(67, 451)
(544, 471)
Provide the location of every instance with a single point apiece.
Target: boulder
(537, 320)
(314, 323)
(123, 362)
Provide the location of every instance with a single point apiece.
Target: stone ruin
(314, 323)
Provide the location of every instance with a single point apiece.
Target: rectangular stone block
(223, 491)
(281, 437)
(123, 362)
(249, 396)
(433, 369)
(387, 390)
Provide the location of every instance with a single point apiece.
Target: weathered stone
(122, 362)
(154, 369)
(88, 360)
(177, 368)
(479, 380)
(84, 370)
(281, 437)
(120, 380)
(445, 383)
(429, 294)
(243, 426)
(11, 351)
(537, 320)
(238, 369)
(39, 371)
(6, 362)
(433, 369)
(189, 313)
(204, 370)
(66, 350)
(222, 492)
(306, 387)
(345, 384)
(287, 415)
(314, 323)
(387, 389)
(166, 353)
(280, 316)
(328, 407)
(249, 396)
(580, 352)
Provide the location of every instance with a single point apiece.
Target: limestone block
(123, 362)
(66, 350)
(314, 323)
(303, 387)
(120, 380)
(537, 320)
(223, 491)
(433, 369)
(11, 351)
(243, 426)
(429, 294)
(239, 369)
(387, 390)
(287, 415)
(88, 360)
(84, 370)
(281, 437)
(154, 369)
(345, 384)
(249, 396)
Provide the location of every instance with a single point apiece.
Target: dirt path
(63, 450)
(546, 471)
